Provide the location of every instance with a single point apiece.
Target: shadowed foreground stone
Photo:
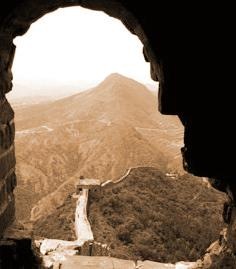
(157, 265)
(16, 248)
(218, 256)
(84, 262)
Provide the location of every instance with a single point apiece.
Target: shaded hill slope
(97, 133)
(146, 216)
(150, 216)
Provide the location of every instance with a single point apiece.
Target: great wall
(85, 252)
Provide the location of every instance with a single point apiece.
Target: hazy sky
(79, 47)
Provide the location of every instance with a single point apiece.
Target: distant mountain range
(98, 133)
(31, 90)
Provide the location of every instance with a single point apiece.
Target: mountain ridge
(98, 133)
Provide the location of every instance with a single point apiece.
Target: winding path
(83, 229)
(64, 253)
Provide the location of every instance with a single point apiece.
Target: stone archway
(191, 50)
(19, 21)
(16, 23)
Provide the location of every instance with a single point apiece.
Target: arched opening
(98, 133)
(75, 47)
(53, 129)
(21, 30)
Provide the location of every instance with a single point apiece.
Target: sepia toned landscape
(157, 212)
(98, 133)
(116, 135)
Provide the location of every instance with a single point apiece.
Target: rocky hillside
(98, 133)
(147, 216)
(150, 216)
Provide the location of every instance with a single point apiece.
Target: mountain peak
(118, 79)
(115, 76)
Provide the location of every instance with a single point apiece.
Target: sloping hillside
(98, 133)
(148, 215)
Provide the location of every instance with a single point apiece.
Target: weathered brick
(7, 216)
(7, 162)
(7, 126)
(8, 250)
(12, 131)
(16, 248)
(7, 52)
(3, 194)
(11, 183)
(7, 135)
(6, 111)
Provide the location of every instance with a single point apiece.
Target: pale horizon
(75, 48)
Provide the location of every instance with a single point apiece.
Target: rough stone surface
(218, 255)
(7, 162)
(11, 183)
(18, 231)
(6, 112)
(85, 262)
(7, 215)
(6, 187)
(157, 265)
(154, 265)
(7, 51)
(16, 249)
(96, 263)
(7, 132)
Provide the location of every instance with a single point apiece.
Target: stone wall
(94, 248)
(7, 133)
